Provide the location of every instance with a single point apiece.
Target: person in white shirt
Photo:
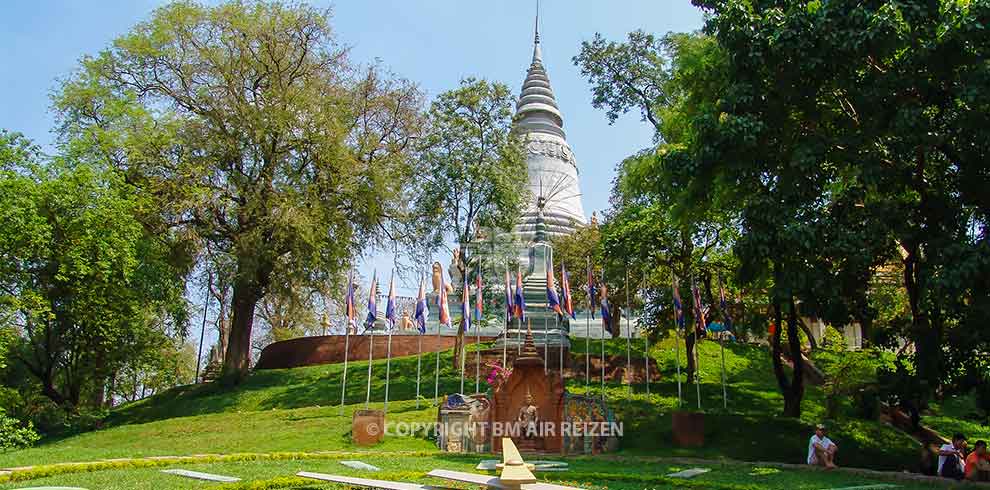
(821, 449)
(951, 459)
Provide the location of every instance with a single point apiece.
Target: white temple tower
(553, 174)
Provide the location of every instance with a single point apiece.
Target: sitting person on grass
(821, 449)
(978, 463)
(952, 459)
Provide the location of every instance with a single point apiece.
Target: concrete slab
(360, 465)
(691, 473)
(196, 475)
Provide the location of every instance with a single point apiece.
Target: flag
(591, 290)
(479, 298)
(372, 303)
(442, 302)
(699, 314)
(678, 306)
(390, 304)
(466, 306)
(509, 307)
(350, 311)
(553, 302)
(606, 309)
(726, 318)
(565, 289)
(520, 303)
(422, 312)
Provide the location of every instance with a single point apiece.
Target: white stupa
(553, 173)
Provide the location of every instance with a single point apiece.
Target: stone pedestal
(368, 427)
(689, 429)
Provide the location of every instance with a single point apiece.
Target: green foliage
(472, 169)
(253, 136)
(14, 434)
(855, 140)
(85, 287)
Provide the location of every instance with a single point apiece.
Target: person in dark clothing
(952, 458)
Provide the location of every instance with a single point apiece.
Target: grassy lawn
(958, 414)
(297, 410)
(600, 473)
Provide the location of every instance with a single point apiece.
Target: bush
(983, 399)
(14, 435)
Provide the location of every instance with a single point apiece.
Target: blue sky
(432, 42)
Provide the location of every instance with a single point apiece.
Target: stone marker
(492, 465)
(360, 465)
(868, 487)
(691, 473)
(368, 427)
(201, 476)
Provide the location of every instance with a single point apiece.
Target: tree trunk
(792, 399)
(237, 361)
(812, 343)
(689, 341)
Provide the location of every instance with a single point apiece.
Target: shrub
(14, 435)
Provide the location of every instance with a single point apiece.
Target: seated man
(978, 463)
(951, 459)
(821, 449)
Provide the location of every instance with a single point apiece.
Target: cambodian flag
(350, 311)
(372, 303)
(509, 307)
(390, 305)
(591, 290)
(565, 289)
(553, 302)
(466, 306)
(422, 312)
(606, 309)
(520, 303)
(698, 312)
(678, 307)
(442, 302)
(726, 318)
(479, 299)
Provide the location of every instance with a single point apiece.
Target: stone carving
(551, 149)
(455, 268)
(438, 280)
(405, 323)
(529, 416)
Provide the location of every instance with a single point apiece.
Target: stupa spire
(537, 53)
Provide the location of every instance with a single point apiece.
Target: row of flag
(515, 302)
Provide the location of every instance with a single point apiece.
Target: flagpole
(646, 337)
(546, 345)
(628, 334)
(477, 338)
(388, 367)
(677, 344)
(347, 349)
(371, 350)
(508, 320)
(436, 379)
(696, 300)
(603, 343)
(587, 334)
(559, 332)
(725, 403)
(419, 364)
(347, 340)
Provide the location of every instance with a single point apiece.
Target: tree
(471, 167)
(870, 115)
(254, 135)
(81, 281)
(668, 80)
